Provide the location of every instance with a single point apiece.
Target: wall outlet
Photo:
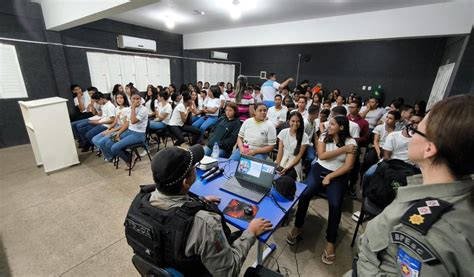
(369, 88)
(363, 87)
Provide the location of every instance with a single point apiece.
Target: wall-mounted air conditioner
(219, 55)
(127, 42)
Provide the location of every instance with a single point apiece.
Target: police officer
(174, 173)
(428, 230)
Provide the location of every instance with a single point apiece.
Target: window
(12, 84)
(215, 72)
(106, 70)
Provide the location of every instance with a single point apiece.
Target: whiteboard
(12, 84)
(440, 84)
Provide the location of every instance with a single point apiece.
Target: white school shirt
(167, 109)
(212, 103)
(108, 111)
(257, 134)
(354, 129)
(275, 116)
(373, 117)
(148, 106)
(142, 116)
(122, 113)
(397, 143)
(175, 119)
(86, 100)
(338, 161)
(289, 146)
(381, 130)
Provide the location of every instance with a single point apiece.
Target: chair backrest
(146, 268)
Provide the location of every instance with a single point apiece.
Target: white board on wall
(440, 84)
(12, 84)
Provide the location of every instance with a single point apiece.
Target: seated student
(257, 95)
(317, 100)
(372, 112)
(122, 111)
(301, 106)
(323, 117)
(336, 157)
(91, 109)
(288, 102)
(93, 127)
(340, 101)
(354, 129)
(196, 110)
(163, 112)
(81, 101)
(292, 145)
(277, 113)
(130, 90)
(210, 112)
(224, 96)
(310, 129)
(226, 132)
(207, 248)
(117, 88)
(180, 121)
(327, 105)
(430, 237)
(257, 137)
(406, 114)
(132, 133)
(395, 105)
(151, 100)
(175, 99)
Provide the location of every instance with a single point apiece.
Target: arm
(79, 101)
(262, 150)
(280, 152)
(212, 110)
(377, 144)
(326, 155)
(240, 144)
(285, 83)
(122, 129)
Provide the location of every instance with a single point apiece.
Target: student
(180, 119)
(317, 100)
(277, 113)
(323, 117)
(288, 102)
(229, 88)
(270, 88)
(122, 112)
(226, 132)
(301, 106)
(163, 112)
(117, 88)
(406, 114)
(380, 134)
(201, 100)
(210, 112)
(292, 145)
(327, 104)
(151, 100)
(354, 129)
(309, 99)
(81, 101)
(257, 137)
(420, 107)
(224, 96)
(257, 95)
(195, 109)
(94, 127)
(206, 85)
(336, 155)
(310, 129)
(176, 98)
(396, 143)
(442, 228)
(372, 112)
(131, 133)
(243, 97)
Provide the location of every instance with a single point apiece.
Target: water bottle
(215, 151)
(246, 147)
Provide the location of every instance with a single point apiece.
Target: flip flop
(328, 259)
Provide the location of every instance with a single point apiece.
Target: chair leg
(116, 162)
(359, 222)
(147, 152)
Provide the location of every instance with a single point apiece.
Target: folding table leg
(262, 255)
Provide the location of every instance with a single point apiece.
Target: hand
(214, 199)
(251, 153)
(259, 225)
(106, 132)
(116, 136)
(283, 172)
(326, 180)
(350, 148)
(244, 150)
(291, 79)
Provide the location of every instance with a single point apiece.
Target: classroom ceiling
(184, 17)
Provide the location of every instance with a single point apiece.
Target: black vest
(160, 236)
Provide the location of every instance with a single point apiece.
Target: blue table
(266, 208)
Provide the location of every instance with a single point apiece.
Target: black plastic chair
(146, 268)
(133, 149)
(368, 208)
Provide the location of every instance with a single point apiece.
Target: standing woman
(242, 96)
(435, 211)
(292, 145)
(336, 156)
(163, 112)
(210, 112)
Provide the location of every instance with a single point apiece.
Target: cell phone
(279, 168)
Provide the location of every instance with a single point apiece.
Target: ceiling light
(198, 12)
(235, 14)
(169, 22)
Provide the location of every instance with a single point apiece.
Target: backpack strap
(424, 213)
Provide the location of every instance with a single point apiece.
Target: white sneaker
(355, 216)
(142, 153)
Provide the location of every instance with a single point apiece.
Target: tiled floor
(70, 223)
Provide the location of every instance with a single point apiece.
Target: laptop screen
(256, 171)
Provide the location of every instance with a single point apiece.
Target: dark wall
(404, 68)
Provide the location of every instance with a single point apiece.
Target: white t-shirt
(277, 117)
(336, 162)
(142, 116)
(373, 117)
(211, 103)
(289, 141)
(354, 129)
(201, 103)
(108, 111)
(310, 128)
(175, 119)
(397, 143)
(381, 130)
(167, 109)
(86, 100)
(122, 113)
(224, 96)
(148, 106)
(258, 134)
(269, 89)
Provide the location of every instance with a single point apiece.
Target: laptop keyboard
(247, 185)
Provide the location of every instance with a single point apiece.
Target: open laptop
(252, 179)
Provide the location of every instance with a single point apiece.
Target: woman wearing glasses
(428, 230)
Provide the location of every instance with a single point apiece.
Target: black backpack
(388, 177)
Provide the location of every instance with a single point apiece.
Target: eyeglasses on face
(412, 131)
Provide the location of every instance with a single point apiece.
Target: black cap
(285, 186)
(172, 164)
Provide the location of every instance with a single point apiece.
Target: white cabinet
(52, 140)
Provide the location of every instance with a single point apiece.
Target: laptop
(252, 179)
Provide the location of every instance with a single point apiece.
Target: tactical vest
(160, 236)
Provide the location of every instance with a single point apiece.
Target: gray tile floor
(70, 223)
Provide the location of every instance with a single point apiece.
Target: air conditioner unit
(219, 55)
(127, 42)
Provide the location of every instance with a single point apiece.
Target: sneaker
(355, 216)
(293, 235)
(142, 153)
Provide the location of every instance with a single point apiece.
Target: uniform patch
(432, 203)
(414, 245)
(219, 243)
(424, 210)
(409, 266)
(416, 219)
(424, 213)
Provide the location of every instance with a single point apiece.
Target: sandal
(293, 235)
(328, 259)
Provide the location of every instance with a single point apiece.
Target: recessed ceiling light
(198, 12)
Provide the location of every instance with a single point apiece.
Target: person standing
(270, 87)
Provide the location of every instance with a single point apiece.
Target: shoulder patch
(408, 266)
(414, 245)
(424, 213)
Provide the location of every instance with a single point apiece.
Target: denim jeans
(236, 155)
(74, 125)
(203, 123)
(101, 142)
(368, 176)
(82, 128)
(157, 125)
(208, 152)
(97, 129)
(335, 193)
(127, 138)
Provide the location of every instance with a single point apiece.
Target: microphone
(210, 171)
(215, 174)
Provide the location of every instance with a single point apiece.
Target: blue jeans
(203, 123)
(335, 193)
(310, 154)
(101, 142)
(74, 125)
(82, 128)
(157, 125)
(368, 176)
(236, 155)
(208, 152)
(97, 129)
(127, 138)
(194, 118)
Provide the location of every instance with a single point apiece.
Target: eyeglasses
(412, 131)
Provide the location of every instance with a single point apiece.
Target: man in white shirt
(396, 143)
(277, 113)
(270, 87)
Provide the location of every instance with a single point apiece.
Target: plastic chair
(133, 149)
